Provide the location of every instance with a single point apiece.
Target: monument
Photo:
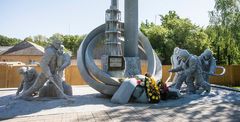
(123, 43)
(193, 70)
(121, 59)
(50, 82)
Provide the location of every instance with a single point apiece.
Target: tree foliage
(5, 41)
(38, 39)
(224, 30)
(175, 32)
(72, 42)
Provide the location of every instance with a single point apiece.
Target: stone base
(50, 90)
(132, 66)
(124, 92)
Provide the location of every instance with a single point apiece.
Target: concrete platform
(89, 105)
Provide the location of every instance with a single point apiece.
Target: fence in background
(9, 76)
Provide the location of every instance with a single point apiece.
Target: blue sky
(22, 18)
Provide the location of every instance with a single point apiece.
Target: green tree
(28, 39)
(71, 42)
(175, 32)
(40, 40)
(224, 30)
(5, 41)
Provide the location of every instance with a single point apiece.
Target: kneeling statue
(29, 75)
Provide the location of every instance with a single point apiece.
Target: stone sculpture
(29, 75)
(179, 77)
(51, 71)
(208, 64)
(49, 89)
(192, 69)
(63, 61)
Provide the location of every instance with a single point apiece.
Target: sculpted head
(183, 55)
(207, 54)
(56, 41)
(57, 44)
(176, 53)
(31, 72)
(28, 73)
(22, 70)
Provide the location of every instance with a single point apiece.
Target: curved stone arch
(100, 80)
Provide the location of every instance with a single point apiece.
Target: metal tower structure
(113, 30)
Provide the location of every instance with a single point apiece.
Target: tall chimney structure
(131, 56)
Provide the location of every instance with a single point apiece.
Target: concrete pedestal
(124, 92)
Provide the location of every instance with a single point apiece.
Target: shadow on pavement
(189, 107)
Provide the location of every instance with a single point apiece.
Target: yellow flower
(153, 97)
(150, 94)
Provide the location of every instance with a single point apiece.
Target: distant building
(25, 51)
(4, 49)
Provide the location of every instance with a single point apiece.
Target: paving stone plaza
(89, 105)
(119, 90)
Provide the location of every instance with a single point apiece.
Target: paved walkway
(89, 105)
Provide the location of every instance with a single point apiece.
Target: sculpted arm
(177, 69)
(20, 88)
(67, 61)
(45, 62)
(213, 66)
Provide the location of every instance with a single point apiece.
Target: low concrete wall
(9, 76)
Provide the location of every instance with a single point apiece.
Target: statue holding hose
(50, 72)
(204, 66)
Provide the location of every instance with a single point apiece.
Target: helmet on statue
(184, 55)
(207, 54)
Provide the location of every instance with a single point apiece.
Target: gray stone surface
(142, 98)
(208, 64)
(179, 77)
(131, 28)
(90, 105)
(132, 66)
(49, 90)
(82, 63)
(124, 92)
